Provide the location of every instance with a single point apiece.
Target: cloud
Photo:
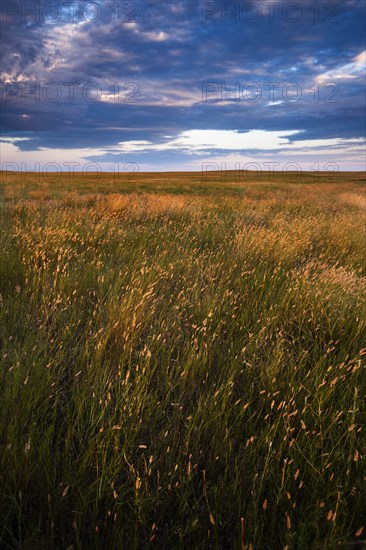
(12, 139)
(355, 69)
(167, 52)
(196, 141)
(154, 36)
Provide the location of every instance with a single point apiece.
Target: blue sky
(177, 85)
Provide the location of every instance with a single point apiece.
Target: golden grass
(183, 364)
(354, 199)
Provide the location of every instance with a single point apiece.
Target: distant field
(183, 361)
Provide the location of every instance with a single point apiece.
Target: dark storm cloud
(95, 74)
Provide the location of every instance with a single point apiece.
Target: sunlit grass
(183, 363)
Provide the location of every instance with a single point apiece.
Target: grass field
(183, 362)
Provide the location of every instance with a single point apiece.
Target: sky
(170, 85)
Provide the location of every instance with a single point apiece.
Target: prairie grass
(183, 363)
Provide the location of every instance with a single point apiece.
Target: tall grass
(183, 365)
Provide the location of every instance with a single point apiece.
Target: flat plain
(183, 361)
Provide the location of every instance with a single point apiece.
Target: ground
(183, 361)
